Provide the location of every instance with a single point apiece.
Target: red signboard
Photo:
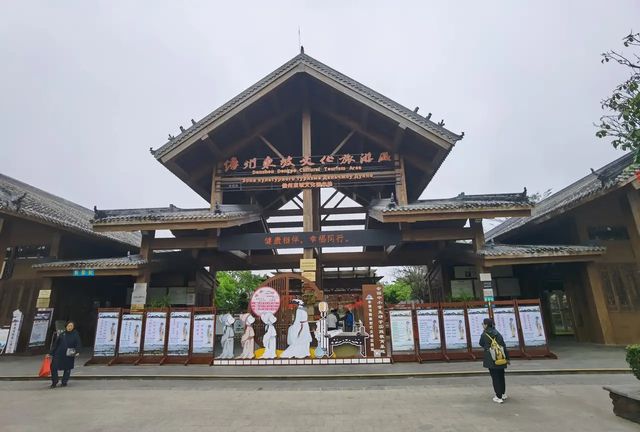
(264, 299)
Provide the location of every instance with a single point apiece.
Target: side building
(598, 301)
(37, 227)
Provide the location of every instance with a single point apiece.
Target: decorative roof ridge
(615, 173)
(305, 59)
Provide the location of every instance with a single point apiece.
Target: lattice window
(621, 286)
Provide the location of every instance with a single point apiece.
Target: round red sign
(264, 299)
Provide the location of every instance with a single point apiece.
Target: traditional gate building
(310, 164)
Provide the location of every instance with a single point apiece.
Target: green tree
(235, 288)
(416, 278)
(396, 291)
(622, 120)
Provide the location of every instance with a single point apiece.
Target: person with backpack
(495, 358)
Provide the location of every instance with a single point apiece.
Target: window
(608, 233)
(621, 286)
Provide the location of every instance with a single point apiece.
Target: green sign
(83, 273)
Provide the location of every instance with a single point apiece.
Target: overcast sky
(86, 87)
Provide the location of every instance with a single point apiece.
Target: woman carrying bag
(495, 358)
(64, 351)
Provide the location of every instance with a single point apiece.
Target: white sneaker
(504, 397)
(496, 399)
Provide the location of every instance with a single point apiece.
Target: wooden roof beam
(387, 143)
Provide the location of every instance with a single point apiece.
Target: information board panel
(476, 316)
(455, 331)
(154, 333)
(179, 332)
(401, 331)
(506, 324)
(130, 334)
(106, 332)
(203, 334)
(532, 325)
(429, 329)
(40, 327)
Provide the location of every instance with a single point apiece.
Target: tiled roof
(23, 200)
(173, 214)
(461, 202)
(303, 59)
(500, 250)
(610, 177)
(98, 263)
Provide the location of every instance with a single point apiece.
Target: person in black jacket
(496, 371)
(64, 351)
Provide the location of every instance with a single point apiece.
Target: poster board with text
(403, 344)
(532, 326)
(476, 314)
(40, 327)
(179, 336)
(130, 336)
(203, 335)
(155, 333)
(106, 337)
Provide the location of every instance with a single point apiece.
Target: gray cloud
(88, 87)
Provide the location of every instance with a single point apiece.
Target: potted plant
(626, 398)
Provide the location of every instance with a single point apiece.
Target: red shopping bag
(45, 368)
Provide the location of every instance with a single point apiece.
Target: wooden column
(401, 182)
(146, 252)
(633, 196)
(309, 204)
(600, 302)
(216, 196)
(478, 243)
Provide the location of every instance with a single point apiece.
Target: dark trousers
(497, 378)
(65, 375)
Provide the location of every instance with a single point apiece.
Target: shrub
(633, 358)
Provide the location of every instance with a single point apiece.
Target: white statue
(269, 338)
(299, 335)
(247, 340)
(227, 337)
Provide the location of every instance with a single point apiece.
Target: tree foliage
(622, 119)
(235, 288)
(416, 278)
(396, 292)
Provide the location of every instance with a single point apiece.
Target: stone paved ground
(570, 356)
(537, 403)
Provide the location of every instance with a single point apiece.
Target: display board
(532, 325)
(401, 331)
(40, 327)
(4, 335)
(14, 332)
(264, 299)
(455, 331)
(106, 332)
(203, 334)
(506, 324)
(130, 334)
(476, 316)
(154, 333)
(179, 333)
(429, 329)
